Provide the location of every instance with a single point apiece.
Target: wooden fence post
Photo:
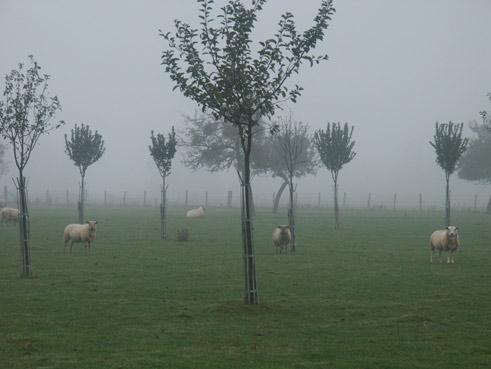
(229, 199)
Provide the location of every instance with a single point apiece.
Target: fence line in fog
(230, 198)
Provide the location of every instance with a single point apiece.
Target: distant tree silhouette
(335, 147)
(162, 151)
(449, 146)
(475, 163)
(296, 156)
(3, 163)
(26, 114)
(84, 148)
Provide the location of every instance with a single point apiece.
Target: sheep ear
(447, 228)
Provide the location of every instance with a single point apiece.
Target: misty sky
(395, 68)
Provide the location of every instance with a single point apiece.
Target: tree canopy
(84, 147)
(163, 150)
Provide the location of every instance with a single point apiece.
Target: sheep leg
(64, 246)
(71, 244)
(431, 255)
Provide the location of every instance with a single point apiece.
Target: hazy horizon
(394, 69)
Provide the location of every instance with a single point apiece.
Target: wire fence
(230, 198)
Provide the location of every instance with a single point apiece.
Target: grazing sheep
(196, 213)
(80, 233)
(445, 240)
(281, 238)
(9, 215)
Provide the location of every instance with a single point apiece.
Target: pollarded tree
(335, 147)
(26, 114)
(296, 156)
(162, 152)
(449, 146)
(84, 148)
(218, 69)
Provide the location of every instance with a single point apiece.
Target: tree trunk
(81, 203)
(291, 215)
(447, 199)
(163, 229)
(251, 295)
(336, 205)
(276, 202)
(488, 207)
(25, 247)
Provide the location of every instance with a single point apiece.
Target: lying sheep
(80, 233)
(446, 240)
(281, 238)
(196, 213)
(9, 216)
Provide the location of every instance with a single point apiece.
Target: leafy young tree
(335, 147)
(26, 114)
(296, 153)
(449, 146)
(84, 148)
(162, 152)
(217, 68)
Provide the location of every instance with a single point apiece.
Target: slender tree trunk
(251, 292)
(276, 202)
(488, 207)
(291, 214)
(81, 203)
(336, 204)
(25, 247)
(163, 228)
(447, 199)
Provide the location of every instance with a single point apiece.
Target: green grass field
(364, 296)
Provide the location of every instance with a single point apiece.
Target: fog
(394, 69)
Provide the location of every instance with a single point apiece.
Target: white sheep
(281, 238)
(196, 213)
(446, 240)
(80, 233)
(9, 215)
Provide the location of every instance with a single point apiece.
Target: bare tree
(335, 148)
(162, 152)
(25, 115)
(217, 68)
(297, 156)
(85, 148)
(449, 146)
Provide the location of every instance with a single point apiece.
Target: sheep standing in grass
(80, 233)
(196, 213)
(281, 238)
(9, 216)
(446, 240)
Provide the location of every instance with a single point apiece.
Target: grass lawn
(364, 296)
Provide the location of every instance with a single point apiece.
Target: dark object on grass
(183, 235)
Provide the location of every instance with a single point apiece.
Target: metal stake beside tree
(449, 146)
(217, 68)
(26, 114)
(335, 149)
(162, 152)
(84, 148)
